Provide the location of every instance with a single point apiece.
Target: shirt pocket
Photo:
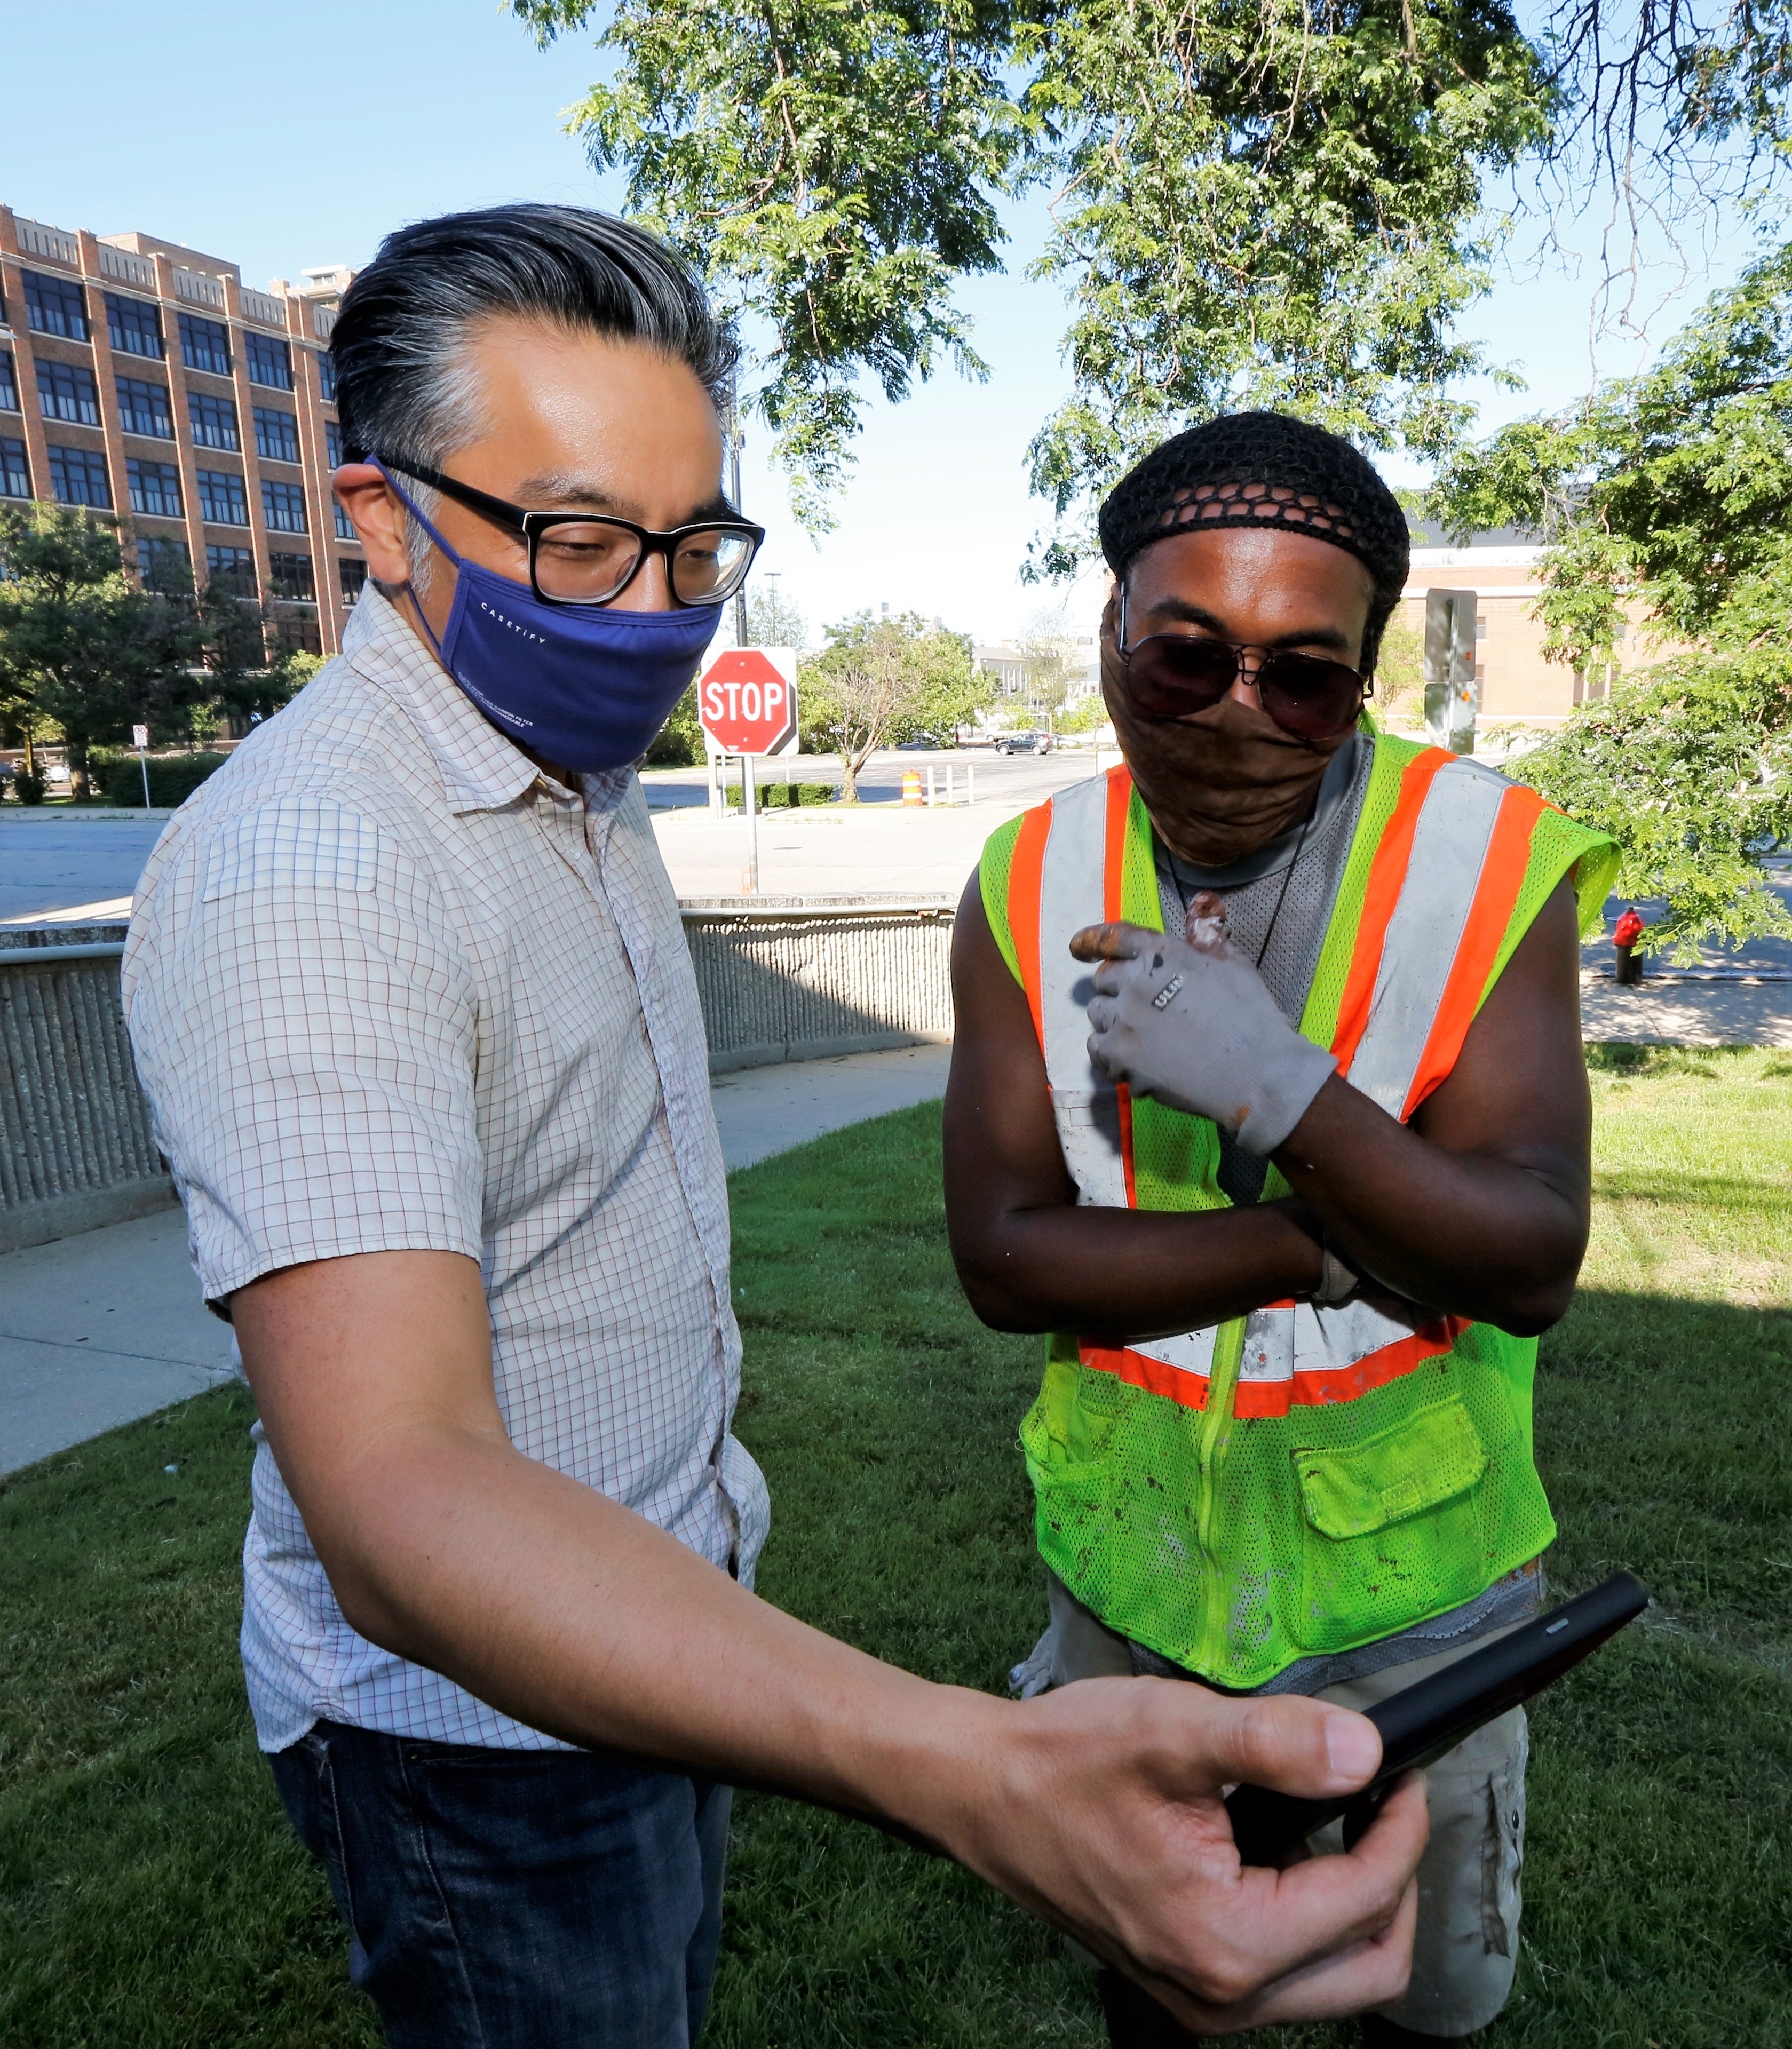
(1390, 1528)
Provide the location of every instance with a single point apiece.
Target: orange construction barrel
(912, 786)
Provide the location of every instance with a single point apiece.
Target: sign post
(140, 740)
(746, 704)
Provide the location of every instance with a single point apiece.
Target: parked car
(1025, 743)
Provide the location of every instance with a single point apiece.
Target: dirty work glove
(1190, 1022)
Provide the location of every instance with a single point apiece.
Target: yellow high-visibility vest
(1301, 1480)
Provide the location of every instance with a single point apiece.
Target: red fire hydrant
(1629, 930)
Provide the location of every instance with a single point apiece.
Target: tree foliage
(880, 682)
(1668, 496)
(831, 165)
(87, 653)
(1267, 201)
(1270, 203)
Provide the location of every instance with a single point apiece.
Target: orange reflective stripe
(1258, 1399)
(1025, 876)
(1496, 895)
(1124, 1095)
(1387, 874)
(1349, 1383)
(1113, 873)
(1155, 1376)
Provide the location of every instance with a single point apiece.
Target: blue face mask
(580, 685)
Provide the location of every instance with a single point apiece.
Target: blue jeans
(514, 1899)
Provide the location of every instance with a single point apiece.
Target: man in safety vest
(1296, 1176)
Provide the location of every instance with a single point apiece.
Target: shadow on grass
(150, 1894)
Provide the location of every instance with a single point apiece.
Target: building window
(163, 565)
(143, 409)
(54, 305)
(332, 444)
(213, 421)
(9, 385)
(204, 345)
(232, 568)
(283, 507)
(222, 499)
(344, 526)
(326, 375)
(15, 474)
(67, 392)
(135, 329)
(276, 435)
(155, 488)
(78, 477)
(290, 576)
(354, 577)
(269, 362)
(300, 633)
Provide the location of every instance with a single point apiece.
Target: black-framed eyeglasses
(1174, 675)
(589, 557)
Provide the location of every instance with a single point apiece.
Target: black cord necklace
(1288, 877)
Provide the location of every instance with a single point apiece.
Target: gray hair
(407, 388)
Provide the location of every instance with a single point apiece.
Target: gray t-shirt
(1278, 904)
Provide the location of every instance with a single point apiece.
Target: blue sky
(282, 136)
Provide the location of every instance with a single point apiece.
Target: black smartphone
(1419, 1724)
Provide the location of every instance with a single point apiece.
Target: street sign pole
(140, 740)
(747, 797)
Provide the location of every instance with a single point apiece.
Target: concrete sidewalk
(98, 1330)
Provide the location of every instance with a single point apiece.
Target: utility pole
(734, 441)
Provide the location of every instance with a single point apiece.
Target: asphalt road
(52, 863)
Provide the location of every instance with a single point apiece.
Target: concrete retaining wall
(780, 979)
(76, 1150)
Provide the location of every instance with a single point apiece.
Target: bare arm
(1480, 1208)
(1097, 1806)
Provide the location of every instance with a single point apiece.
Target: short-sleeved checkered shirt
(390, 988)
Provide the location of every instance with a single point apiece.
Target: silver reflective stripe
(1071, 895)
(1191, 1352)
(1449, 846)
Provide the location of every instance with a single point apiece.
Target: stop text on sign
(746, 700)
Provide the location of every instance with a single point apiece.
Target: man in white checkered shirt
(410, 996)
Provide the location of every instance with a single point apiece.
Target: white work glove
(1190, 1022)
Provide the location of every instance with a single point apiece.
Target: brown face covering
(1220, 783)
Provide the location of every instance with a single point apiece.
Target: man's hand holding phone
(1102, 1812)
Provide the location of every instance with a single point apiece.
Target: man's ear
(377, 519)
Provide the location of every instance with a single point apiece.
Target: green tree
(832, 169)
(880, 682)
(81, 645)
(1049, 650)
(774, 620)
(1669, 495)
(1256, 201)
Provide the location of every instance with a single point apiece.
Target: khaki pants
(1467, 1946)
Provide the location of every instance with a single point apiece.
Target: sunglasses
(1172, 675)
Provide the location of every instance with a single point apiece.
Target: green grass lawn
(151, 1897)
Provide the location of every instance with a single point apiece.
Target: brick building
(1517, 685)
(147, 381)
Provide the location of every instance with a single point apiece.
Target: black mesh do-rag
(1265, 470)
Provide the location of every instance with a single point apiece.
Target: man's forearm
(1476, 1236)
(1134, 1273)
(578, 1616)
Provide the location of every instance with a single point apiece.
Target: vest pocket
(1391, 1528)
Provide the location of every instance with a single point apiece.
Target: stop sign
(746, 700)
